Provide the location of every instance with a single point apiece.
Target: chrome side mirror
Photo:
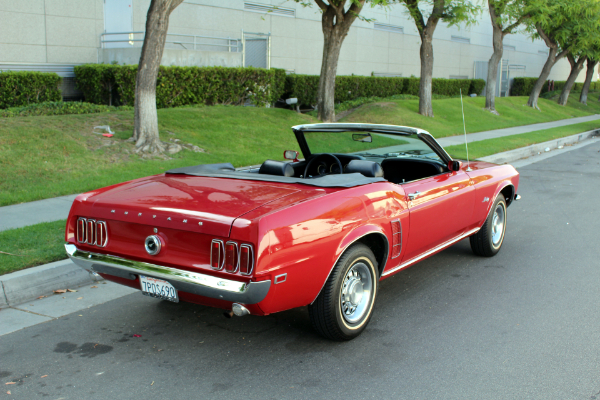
(454, 165)
(291, 155)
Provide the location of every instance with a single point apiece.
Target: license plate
(158, 288)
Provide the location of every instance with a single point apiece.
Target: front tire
(488, 241)
(345, 305)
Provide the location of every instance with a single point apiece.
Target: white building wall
(50, 31)
(68, 31)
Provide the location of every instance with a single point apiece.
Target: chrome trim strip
(398, 233)
(186, 281)
(221, 253)
(430, 252)
(251, 258)
(237, 257)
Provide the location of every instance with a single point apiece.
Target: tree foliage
(566, 26)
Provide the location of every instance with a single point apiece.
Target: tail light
(246, 259)
(217, 254)
(231, 257)
(92, 232)
(396, 238)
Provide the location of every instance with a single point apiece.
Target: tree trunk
(490, 91)
(576, 67)
(145, 131)
(335, 24)
(425, 85)
(589, 75)
(331, 54)
(539, 84)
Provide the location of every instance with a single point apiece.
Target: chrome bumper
(185, 281)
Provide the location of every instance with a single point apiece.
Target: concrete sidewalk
(35, 212)
(517, 130)
(54, 209)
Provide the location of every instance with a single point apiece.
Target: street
(524, 324)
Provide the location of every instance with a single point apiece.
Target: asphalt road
(524, 324)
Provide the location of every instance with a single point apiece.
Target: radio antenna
(465, 129)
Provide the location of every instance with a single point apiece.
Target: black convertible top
(226, 170)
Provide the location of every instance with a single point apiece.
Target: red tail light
(81, 230)
(90, 231)
(396, 238)
(246, 259)
(101, 234)
(216, 254)
(231, 257)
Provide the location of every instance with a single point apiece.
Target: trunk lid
(190, 203)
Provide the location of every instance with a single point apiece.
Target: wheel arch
(508, 191)
(371, 236)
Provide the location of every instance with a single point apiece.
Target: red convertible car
(366, 202)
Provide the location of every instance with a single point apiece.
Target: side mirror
(291, 155)
(454, 165)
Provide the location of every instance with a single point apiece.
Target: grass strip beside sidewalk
(31, 246)
(488, 147)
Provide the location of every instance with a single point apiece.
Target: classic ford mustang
(365, 202)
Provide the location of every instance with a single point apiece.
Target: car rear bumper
(186, 281)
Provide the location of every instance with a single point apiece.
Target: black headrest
(370, 169)
(279, 168)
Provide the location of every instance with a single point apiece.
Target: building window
(459, 77)
(460, 39)
(509, 47)
(388, 28)
(267, 9)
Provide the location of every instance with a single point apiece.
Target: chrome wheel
(498, 224)
(357, 289)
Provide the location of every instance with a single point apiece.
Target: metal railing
(174, 40)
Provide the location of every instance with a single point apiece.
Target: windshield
(380, 147)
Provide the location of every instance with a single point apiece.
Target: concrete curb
(28, 284)
(535, 149)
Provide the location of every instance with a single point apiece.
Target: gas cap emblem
(153, 245)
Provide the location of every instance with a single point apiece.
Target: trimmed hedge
(59, 108)
(523, 86)
(179, 86)
(20, 88)
(305, 87)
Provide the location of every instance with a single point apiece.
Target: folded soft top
(226, 170)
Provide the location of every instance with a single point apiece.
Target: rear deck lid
(191, 203)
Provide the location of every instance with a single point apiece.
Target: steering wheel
(321, 156)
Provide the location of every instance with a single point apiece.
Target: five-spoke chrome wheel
(357, 288)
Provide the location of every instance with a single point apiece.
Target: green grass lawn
(488, 147)
(49, 156)
(448, 117)
(42, 157)
(31, 246)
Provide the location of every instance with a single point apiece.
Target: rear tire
(488, 241)
(345, 305)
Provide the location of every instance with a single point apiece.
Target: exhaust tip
(228, 314)
(239, 310)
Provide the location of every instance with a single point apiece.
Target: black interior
(279, 168)
(400, 170)
(370, 169)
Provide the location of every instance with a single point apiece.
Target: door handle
(414, 195)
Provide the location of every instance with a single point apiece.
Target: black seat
(370, 169)
(399, 170)
(279, 168)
